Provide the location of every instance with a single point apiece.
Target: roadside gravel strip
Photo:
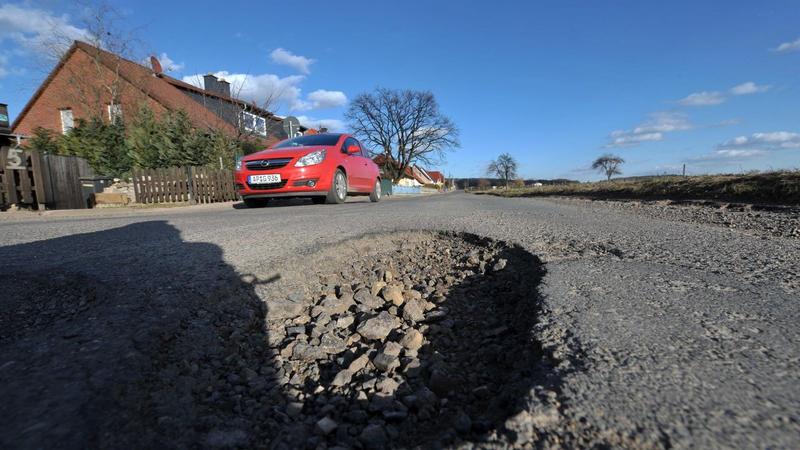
(452, 320)
(758, 220)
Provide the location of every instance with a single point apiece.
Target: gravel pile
(425, 340)
(752, 219)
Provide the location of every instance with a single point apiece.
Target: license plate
(264, 179)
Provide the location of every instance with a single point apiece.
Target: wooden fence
(28, 178)
(184, 184)
(62, 182)
(22, 178)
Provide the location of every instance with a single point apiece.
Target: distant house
(79, 88)
(413, 176)
(437, 177)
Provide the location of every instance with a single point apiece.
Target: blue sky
(714, 84)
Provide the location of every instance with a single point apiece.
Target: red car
(324, 167)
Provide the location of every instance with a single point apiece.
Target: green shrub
(44, 141)
(174, 141)
(101, 144)
(147, 141)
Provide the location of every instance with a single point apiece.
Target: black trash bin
(93, 185)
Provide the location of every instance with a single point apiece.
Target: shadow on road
(287, 202)
(117, 339)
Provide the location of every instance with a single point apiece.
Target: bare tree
(505, 167)
(405, 125)
(100, 83)
(483, 183)
(609, 165)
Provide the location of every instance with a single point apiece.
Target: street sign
(291, 126)
(4, 122)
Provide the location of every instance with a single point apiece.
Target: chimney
(216, 85)
(224, 87)
(210, 83)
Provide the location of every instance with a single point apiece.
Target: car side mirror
(353, 149)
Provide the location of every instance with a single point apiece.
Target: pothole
(401, 340)
(408, 340)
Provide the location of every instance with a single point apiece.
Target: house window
(253, 123)
(114, 113)
(67, 122)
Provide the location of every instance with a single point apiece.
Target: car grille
(267, 164)
(265, 186)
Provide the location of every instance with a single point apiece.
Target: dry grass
(780, 188)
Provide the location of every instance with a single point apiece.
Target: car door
(354, 165)
(367, 174)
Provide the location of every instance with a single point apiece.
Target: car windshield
(310, 140)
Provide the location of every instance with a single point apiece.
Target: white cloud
(776, 140)
(258, 88)
(333, 125)
(327, 99)
(275, 90)
(651, 130)
(787, 47)
(625, 139)
(664, 121)
(749, 88)
(169, 65)
(287, 58)
(725, 156)
(743, 148)
(38, 30)
(3, 64)
(709, 98)
(704, 98)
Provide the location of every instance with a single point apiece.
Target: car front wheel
(338, 192)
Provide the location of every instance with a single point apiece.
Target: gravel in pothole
(424, 339)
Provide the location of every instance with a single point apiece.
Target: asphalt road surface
(662, 333)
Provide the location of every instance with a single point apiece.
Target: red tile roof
(436, 176)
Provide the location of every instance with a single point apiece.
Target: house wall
(78, 85)
(225, 110)
(229, 112)
(410, 182)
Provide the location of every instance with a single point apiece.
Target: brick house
(88, 80)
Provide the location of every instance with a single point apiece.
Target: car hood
(293, 152)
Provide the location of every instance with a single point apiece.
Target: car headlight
(238, 164)
(311, 159)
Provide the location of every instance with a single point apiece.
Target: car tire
(256, 202)
(338, 192)
(375, 195)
